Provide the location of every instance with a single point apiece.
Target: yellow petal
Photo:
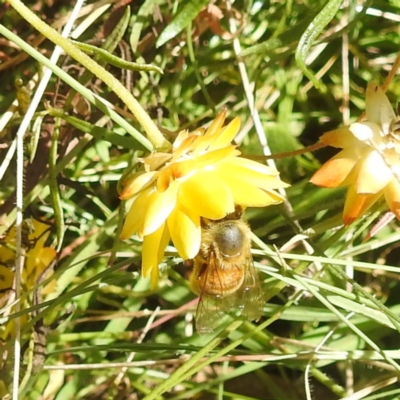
(152, 248)
(161, 249)
(248, 195)
(181, 138)
(154, 278)
(229, 169)
(37, 262)
(6, 278)
(341, 138)
(252, 165)
(159, 208)
(135, 218)
(206, 195)
(185, 146)
(373, 174)
(377, 107)
(184, 227)
(163, 243)
(357, 204)
(7, 255)
(39, 234)
(212, 157)
(335, 171)
(135, 183)
(225, 137)
(175, 171)
(276, 198)
(47, 255)
(155, 160)
(200, 145)
(216, 124)
(39, 229)
(392, 197)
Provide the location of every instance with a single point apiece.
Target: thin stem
(392, 73)
(345, 68)
(293, 153)
(192, 58)
(247, 89)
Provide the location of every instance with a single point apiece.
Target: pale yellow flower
(369, 163)
(202, 177)
(37, 257)
(6, 278)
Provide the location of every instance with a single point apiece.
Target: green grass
(331, 322)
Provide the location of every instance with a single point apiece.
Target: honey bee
(223, 274)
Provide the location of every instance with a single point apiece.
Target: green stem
(55, 196)
(196, 68)
(153, 133)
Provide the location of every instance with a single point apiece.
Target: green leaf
(114, 60)
(145, 11)
(309, 36)
(181, 20)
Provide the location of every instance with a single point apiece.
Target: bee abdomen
(223, 282)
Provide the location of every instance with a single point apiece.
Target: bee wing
(250, 297)
(209, 313)
(211, 308)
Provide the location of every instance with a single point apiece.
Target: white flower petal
(373, 174)
(378, 108)
(366, 132)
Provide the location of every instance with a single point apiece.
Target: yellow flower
(201, 177)
(37, 257)
(369, 162)
(6, 278)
